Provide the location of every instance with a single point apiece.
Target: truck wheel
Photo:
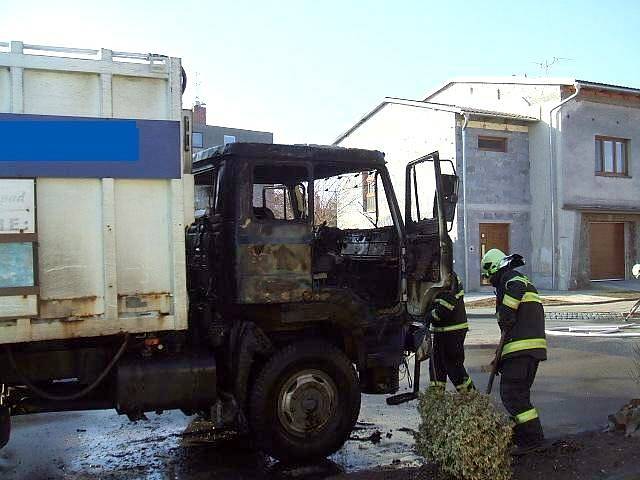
(305, 402)
(5, 426)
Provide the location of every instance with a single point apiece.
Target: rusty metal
(79, 307)
(18, 238)
(19, 291)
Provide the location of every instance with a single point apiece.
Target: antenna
(546, 65)
(196, 88)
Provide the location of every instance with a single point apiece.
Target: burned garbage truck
(303, 316)
(295, 287)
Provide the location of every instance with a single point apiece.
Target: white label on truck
(17, 206)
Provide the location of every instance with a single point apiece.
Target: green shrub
(465, 435)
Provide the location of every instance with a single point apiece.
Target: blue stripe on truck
(54, 146)
(69, 141)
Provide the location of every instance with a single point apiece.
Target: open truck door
(430, 205)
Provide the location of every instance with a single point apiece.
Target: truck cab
(302, 252)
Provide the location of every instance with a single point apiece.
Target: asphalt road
(583, 381)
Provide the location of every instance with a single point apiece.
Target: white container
(110, 252)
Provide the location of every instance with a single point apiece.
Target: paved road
(584, 381)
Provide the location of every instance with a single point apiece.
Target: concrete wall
(581, 122)
(535, 101)
(580, 188)
(497, 192)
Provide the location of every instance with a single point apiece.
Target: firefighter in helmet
(448, 319)
(521, 320)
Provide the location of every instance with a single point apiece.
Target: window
(348, 199)
(229, 139)
(492, 144)
(17, 237)
(197, 140)
(281, 192)
(208, 189)
(369, 189)
(612, 156)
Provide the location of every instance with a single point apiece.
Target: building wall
(403, 133)
(214, 135)
(581, 122)
(497, 192)
(580, 188)
(500, 97)
(535, 101)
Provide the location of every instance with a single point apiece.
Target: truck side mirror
(450, 198)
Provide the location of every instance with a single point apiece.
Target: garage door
(607, 251)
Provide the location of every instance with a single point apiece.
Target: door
(493, 235)
(607, 251)
(274, 233)
(430, 199)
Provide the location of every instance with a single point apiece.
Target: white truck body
(109, 252)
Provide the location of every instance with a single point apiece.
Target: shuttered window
(492, 144)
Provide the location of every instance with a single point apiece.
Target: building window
(492, 144)
(229, 139)
(612, 156)
(196, 140)
(368, 192)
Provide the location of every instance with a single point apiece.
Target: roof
(324, 154)
(434, 106)
(532, 81)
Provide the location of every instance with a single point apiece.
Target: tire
(305, 402)
(5, 426)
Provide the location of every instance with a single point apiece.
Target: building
(206, 136)
(546, 167)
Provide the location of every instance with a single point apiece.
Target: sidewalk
(605, 300)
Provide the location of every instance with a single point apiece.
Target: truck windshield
(352, 200)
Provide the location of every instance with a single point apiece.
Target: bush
(464, 435)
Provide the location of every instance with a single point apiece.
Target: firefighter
(521, 320)
(448, 319)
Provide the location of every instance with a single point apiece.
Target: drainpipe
(464, 199)
(553, 183)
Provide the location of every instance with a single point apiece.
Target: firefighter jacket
(447, 312)
(520, 316)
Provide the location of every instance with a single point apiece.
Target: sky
(308, 70)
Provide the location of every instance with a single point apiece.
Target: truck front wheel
(305, 402)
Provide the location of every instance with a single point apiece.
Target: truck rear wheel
(305, 402)
(5, 426)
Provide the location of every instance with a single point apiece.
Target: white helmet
(636, 270)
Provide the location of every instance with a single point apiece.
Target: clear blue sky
(307, 70)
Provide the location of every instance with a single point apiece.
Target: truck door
(275, 234)
(430, 203)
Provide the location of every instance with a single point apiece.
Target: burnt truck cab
(307, 283)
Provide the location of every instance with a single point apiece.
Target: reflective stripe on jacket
(521, 315)
(448, 313)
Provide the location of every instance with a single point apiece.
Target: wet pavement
(584, 381)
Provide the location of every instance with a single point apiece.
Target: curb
(614, 316)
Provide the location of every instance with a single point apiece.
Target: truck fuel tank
(186, 382)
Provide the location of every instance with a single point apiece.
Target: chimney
(199, 113)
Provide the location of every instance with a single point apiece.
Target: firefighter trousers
(447, 360)
(517, 376)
